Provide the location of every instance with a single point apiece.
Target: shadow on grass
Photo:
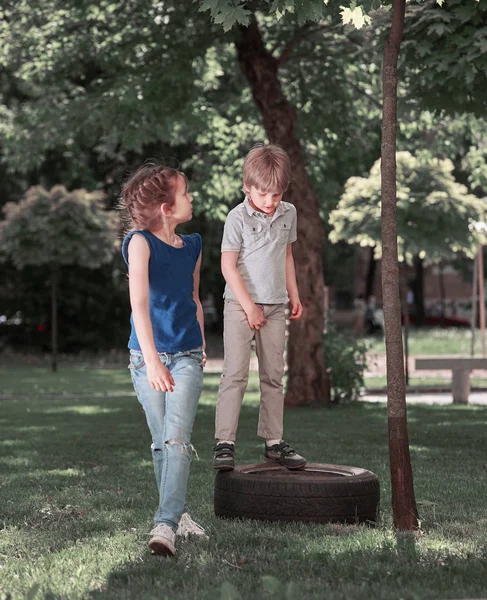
(74, 469)
(312, 562)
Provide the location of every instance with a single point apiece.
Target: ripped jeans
(170, 417)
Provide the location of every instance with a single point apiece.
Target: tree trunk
(54, 285)
(419, 291)
(481, 283)
(403, 501)
(369, 283)
(473, 320)
(306, 376)
(441, 281)
(405, 306)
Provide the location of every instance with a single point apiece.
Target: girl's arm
(255, 314)
(199, 308)
(139, 253)
(292, 286)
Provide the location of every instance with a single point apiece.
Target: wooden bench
(460, 367)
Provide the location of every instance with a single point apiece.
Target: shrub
(346, 359)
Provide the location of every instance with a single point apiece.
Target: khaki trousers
(269, 342)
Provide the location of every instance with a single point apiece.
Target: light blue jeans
(170, 417)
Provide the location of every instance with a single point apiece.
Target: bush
(346, 359)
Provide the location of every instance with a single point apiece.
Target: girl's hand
(256, 317)
(296, 309)
(160, 377)
(204, 358)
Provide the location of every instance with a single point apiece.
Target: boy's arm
(139, 253)
(292, 286)
(199, 308)
(235, 282)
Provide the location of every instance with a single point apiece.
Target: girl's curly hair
(144, 192)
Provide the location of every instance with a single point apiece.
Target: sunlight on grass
(65, 472)
(83, 410)
(418, 449)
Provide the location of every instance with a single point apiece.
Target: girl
(167, 339)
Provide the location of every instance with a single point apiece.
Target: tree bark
(481, 283)
(405, 306)
(419, 291)
(54, 285)
(306, 375)
(403, 501)
(441, 281)
(473, 320)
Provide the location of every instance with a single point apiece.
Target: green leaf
(355, 16)
(293, 591)
(32, 593)
(231, 16)
(271, 584)
(228, 591)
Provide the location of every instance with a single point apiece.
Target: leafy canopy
(436, 217)
(58, 227)
(228, 13)
(444, 53)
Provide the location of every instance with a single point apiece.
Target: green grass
(431, 341)
(77, 499)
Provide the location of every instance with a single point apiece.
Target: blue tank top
(172, 308)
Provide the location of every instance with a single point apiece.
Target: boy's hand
(159, 377)
(256, 317)
(296, 309)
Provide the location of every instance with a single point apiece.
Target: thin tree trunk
(403, 501)
(419, 291)
(306, 376)
(405, 304)
(480, 265)
(473, 322)
(369, 284)
(441, 281)
(54, 286)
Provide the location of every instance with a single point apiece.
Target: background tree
(444, 53)
(436, 218)
(435, 213)
(55, 228)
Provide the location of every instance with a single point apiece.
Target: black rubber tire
(320, 493)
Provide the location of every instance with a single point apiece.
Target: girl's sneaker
(162, 540)
(224, 456)
(283, 454)
(187, 527)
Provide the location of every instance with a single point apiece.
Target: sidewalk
(429, 398)
(214, 365)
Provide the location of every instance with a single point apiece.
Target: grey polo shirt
(261, 242)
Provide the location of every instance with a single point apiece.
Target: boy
(258, 267)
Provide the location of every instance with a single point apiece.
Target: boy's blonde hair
(267, 168)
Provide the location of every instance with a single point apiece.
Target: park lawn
(77, 498)
(431, 341)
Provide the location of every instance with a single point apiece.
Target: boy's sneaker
(187, 527)
(283, 454)
(224, 456)
(162, 540)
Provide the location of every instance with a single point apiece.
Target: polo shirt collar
(249, 208)
(280, 210)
